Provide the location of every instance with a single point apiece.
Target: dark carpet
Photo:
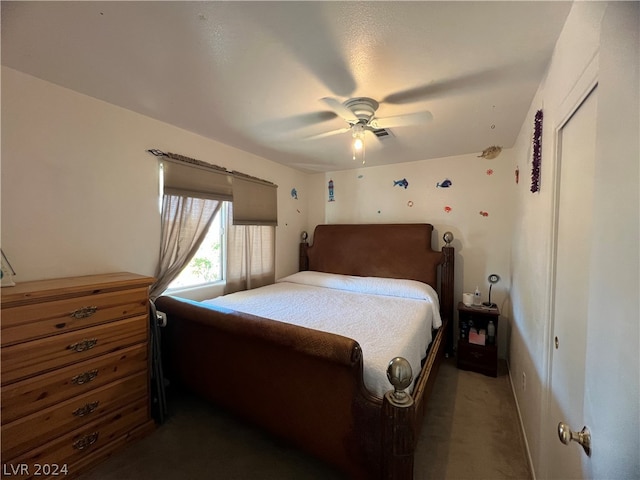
(470, 431)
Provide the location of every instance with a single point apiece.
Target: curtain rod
(200, 163)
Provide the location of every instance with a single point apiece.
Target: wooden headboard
(400, 250)
(376, 250)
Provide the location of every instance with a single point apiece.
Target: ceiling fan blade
(281, 127)
(328, 134)
(402, 120)
(463, 84)
(342, 111)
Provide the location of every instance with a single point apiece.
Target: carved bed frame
(304, 385)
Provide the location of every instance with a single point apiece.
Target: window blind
(254, 200)
(195, 179)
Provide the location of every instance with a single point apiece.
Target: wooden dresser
(75, 372)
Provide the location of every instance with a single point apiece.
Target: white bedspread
(387, 317)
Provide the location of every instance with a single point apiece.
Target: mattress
(387, 317)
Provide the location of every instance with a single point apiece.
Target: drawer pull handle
(84, 345)
(84, 312)
(85, 377)
(86, 441)
(86, 409)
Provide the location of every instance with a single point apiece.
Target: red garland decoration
(537, 153)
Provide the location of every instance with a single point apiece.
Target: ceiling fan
(359, 113)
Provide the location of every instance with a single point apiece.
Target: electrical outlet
(524, 381)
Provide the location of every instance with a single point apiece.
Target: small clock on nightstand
(478, 339)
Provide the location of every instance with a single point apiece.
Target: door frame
(577, 94)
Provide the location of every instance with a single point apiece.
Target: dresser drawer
(28, 322)
(36, 393)
(28, 432)
(72, 447)
(30, 358)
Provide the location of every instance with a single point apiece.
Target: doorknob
(583, 437)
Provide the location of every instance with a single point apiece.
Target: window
(207, 265)
(193, 194)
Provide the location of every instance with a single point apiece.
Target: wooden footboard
(303, 385)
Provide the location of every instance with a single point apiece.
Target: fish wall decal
(446, 183)
(401, 183)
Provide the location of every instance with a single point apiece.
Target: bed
(313, 384)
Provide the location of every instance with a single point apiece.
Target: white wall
(80, 194)
(584, 51)
(532, 233)
(368, 195)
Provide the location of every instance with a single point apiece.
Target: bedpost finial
(448, 238)
(400, 375)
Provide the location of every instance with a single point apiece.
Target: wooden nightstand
(477, 358)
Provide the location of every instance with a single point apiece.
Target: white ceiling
(251, 74)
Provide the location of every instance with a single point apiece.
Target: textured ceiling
(251, 74)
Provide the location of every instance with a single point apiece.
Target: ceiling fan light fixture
(357, 145)
(359, 113)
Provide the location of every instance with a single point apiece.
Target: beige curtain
(250, 255)
(185, 222)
